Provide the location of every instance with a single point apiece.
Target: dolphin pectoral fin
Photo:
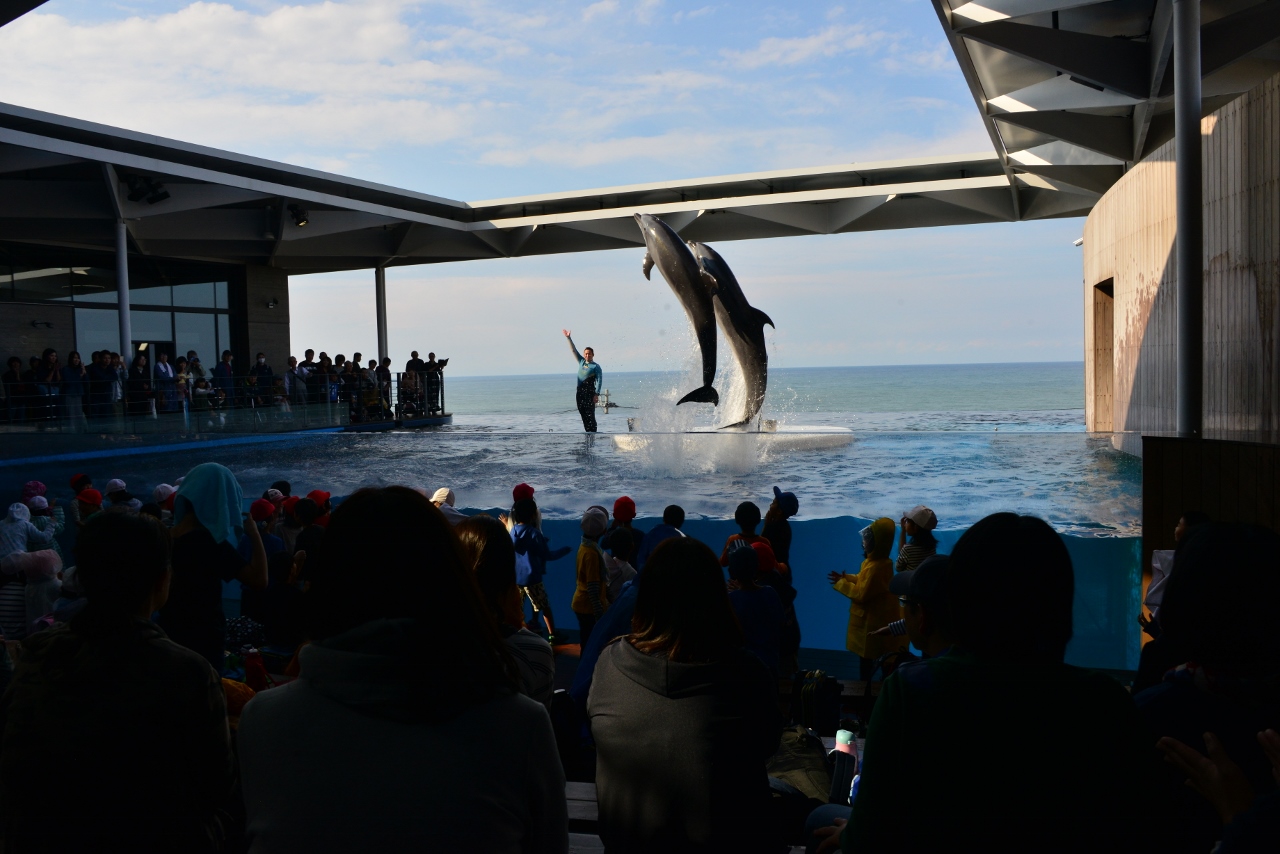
(713, 287)
(706, 394)
(763, 318)
(647, 264)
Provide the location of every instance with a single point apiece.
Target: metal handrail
(253, 402)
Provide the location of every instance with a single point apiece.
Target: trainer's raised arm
(569, 337)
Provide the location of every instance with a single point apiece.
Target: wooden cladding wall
(1104, 370)
(1129, 237)
(1231, 481)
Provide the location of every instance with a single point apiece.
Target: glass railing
(224, 404)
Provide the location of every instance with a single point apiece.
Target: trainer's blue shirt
(588, 370)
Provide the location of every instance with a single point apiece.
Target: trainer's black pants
(587, 405)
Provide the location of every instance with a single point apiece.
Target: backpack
(524, 564)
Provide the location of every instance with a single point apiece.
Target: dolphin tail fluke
(743, 423)
(763, 318)
(706, 394)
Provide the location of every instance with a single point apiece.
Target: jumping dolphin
(693, 286)
(743, 325)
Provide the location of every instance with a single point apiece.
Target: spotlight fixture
(299, 215)
(141, 187)
(272, 303)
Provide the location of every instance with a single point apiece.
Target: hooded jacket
(871, 605)
(336, 761)
(681, 750)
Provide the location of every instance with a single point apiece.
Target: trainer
(590, 381)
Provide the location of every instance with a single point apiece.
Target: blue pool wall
(1107, 598)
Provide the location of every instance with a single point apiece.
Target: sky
(482, 99)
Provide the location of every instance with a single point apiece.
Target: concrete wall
(1129, 238)
(266, 329)
(19, 338)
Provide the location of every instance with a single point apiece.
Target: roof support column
(380, 301)
(1190, 211)
(122, 293)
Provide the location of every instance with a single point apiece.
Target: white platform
(795, 437)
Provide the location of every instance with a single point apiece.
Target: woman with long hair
(684, 717)
(138, 388)
(405, 729)
(75, 384)
(492, 557)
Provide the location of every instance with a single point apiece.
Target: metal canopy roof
(1073, 91)
(65, 182)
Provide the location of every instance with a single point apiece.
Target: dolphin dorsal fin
(762, 318)
(713, 287)
(647, 264)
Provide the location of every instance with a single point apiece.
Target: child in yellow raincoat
(871, 604)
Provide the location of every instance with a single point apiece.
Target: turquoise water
(967, 440)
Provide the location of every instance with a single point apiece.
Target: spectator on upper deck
(998, 743)
(684, 718)
(114, 737)
(337, 761)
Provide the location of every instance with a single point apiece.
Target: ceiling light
(299, 215)
(158, 194)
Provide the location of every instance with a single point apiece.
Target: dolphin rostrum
(693, 286)
(743, 325)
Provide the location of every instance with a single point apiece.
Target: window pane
(196, 296)
(196, 332)
(150, 295)
(224, 334)
(221, 288)
(151, 325)
(97, 329)
(52, 284)
(94, 284)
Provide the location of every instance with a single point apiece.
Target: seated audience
(618, 545)
(207, 527)
(590, 595)
(114, 737)
(684, 718)
(777, 575)
(777, 530)
(870, 602)
(310, 538)
(17, 535)
(998, 742)
(624, 513)
(321, 498)
(759, 609)
(672, 521)
(1220, 619)
(384, 742)
(532, 554)
(42, 571)
(915, 538)
(444, 499)
(1157, 655)
(489, 550)
(922, 593)
(747, 517)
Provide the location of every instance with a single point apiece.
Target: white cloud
(831, 41)
(597, 10)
